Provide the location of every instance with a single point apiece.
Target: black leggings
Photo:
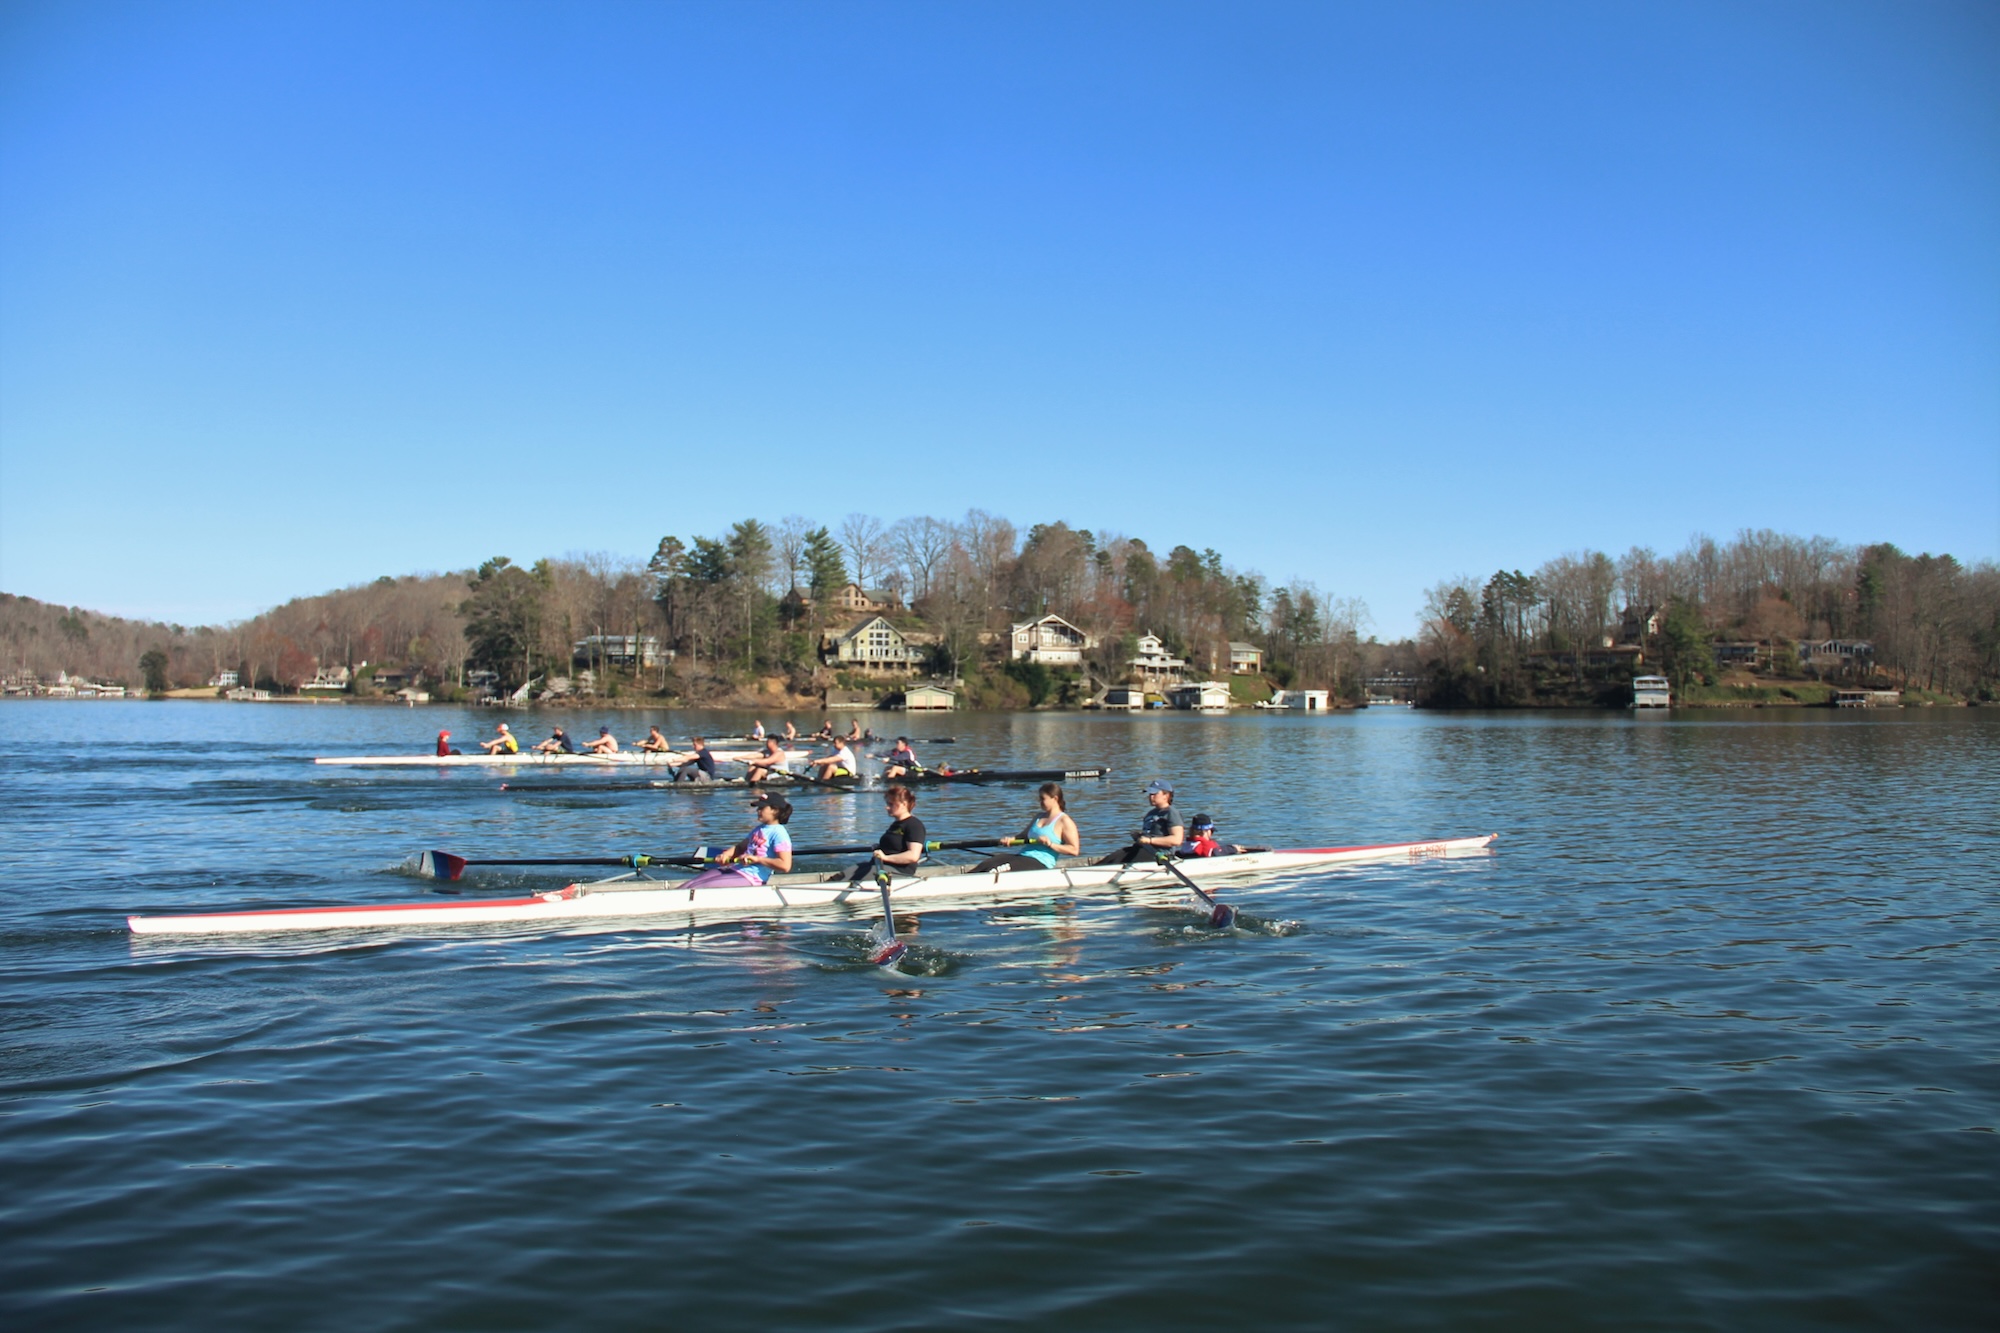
(1125, 856)
(1006, 861)
(868, 869)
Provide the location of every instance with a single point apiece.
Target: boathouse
(920, 698)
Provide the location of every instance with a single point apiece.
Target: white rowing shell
(637, 897)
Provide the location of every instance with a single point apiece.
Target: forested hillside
(757, 600)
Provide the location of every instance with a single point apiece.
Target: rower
(1201, 841)
(774, 760)
(902, 843)
(854, 731)
(444, 745)
(701, 768)
(1160, 831)
(900, 760)
(825, 732)
(840, 764)
(757, 730)
(791, 732)
(557, 743)
(1048, 835)
(655, 743)
(606, 743)
(751, 861)
(503, 743)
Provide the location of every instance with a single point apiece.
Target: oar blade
(1223, 917)
(440, 865)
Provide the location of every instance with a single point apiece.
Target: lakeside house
(1867, 699)
(331, 679)
(852, 598)
(1154, 665)
(1050, 640)
(640, 650)
(1309, 701)
(224, 680)
(929, 698)
(1836, 654)
(1206, 696)
(872, 645)
(1245, 659)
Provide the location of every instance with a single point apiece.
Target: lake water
(1709, 1041)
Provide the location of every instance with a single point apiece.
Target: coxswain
(751, 861)
(1201, 840)
(839, 764)
(1050, 834)
(774, 760)
(1160, 831)
(900, 760)
(503, 743)
(444, 745)
(901, 845)
(557, 743)
(606, 743)
(701, 768)
(655, 743)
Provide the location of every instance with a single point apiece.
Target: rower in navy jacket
(1159, 832)
(701, 768)
(902, 759)
(557, 743)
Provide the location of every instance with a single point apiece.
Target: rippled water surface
(1709, 1041)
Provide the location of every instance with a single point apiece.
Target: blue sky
(292, 296)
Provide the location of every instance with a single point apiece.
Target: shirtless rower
(606, 743)
(655, 743)
(773, 760)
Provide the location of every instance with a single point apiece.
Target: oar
(888, 949)
(446, 866)
(1223, 916)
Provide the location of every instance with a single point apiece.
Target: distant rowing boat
(631, 896)
(927, 777)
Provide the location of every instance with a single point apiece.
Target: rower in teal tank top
(1044, 833)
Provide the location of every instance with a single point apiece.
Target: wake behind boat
(638, 896)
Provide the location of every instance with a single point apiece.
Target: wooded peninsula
(785, 615)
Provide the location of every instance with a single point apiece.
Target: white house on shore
(1050, 640)
(1154, 665)
(872, 645)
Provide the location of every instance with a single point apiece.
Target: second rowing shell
(529, 759)
(926, 778)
